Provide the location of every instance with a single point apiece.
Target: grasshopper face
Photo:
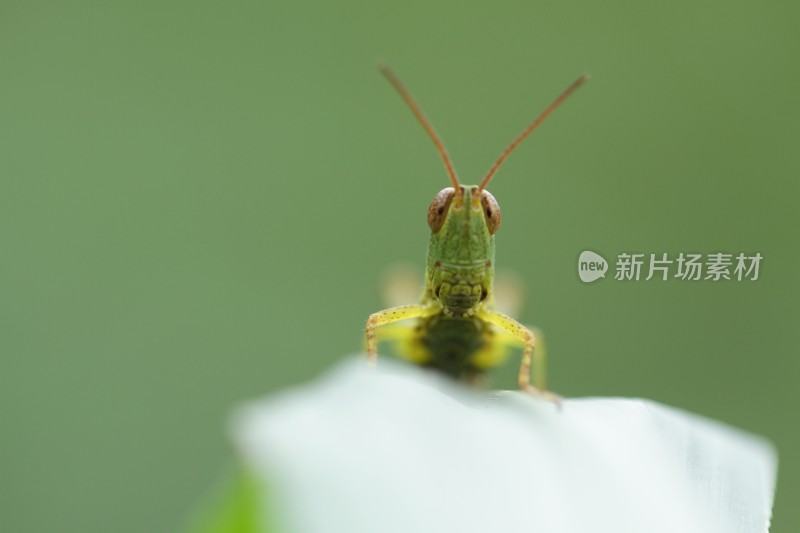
(461, 248)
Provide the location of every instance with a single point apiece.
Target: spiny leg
(539, 360)
(387, 316)
(529, 355)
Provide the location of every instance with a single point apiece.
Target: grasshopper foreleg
(530, 355)
(387, 316)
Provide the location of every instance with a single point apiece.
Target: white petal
(401, 450)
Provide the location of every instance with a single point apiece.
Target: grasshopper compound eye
(491, 210)
(437, 211)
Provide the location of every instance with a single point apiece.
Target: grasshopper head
(461, 248)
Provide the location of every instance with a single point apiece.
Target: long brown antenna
(521, 137)
(394, 80)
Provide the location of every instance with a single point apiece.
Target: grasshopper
(456, 329)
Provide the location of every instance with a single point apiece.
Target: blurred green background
(198, 199)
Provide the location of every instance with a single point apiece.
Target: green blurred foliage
(237, 507)
(197, 200)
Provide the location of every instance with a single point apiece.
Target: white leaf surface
(402, 450)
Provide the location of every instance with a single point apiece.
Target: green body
(451, 345)
(459, 275)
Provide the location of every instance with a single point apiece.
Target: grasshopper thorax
(461, 248)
